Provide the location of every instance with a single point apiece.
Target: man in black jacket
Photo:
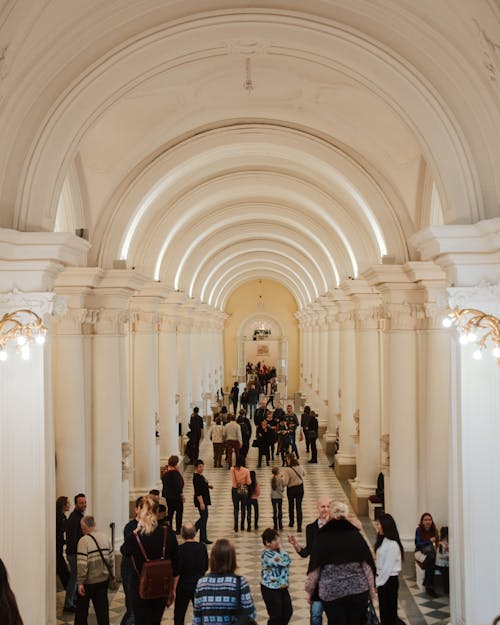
(193, 563)
(196, 426)
(73, 534)
(324, 506)
(201, 499)
(173, 486)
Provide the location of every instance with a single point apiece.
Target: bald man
(324, 507)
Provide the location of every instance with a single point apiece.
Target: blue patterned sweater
(216, 600)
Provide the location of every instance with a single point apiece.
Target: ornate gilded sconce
(478, 328)
(22, 327)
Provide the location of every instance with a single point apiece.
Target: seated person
(426, 541)
(443, 559)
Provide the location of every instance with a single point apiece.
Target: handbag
(242, 619)
(255, 443)
(242, 489)
(371, 615)
(113, 583)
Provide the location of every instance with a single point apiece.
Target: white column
(323, 363)
(346, 458)
(71, 404)
(27, 546)
(368, 405)
(184, 370)
(167, 383)
(401, 492)
(145, 397)
(109, 414)
(333, 380)
(196, 357)
(435, 417)
(308, 337)
(314, 381)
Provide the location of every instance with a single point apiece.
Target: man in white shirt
(234, 440)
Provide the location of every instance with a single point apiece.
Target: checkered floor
(415, 607)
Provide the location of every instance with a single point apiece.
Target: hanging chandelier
(477, 328)
(21, 327)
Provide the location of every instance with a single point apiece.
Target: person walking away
(244, 400)
(277, 490)
(93, 552)
(253, 502)
(153, 538)
(201, 499)
(390, 554)
(312, 434)
(283, 435)
(193, 564)
(62, 570)
(240, 482)
(234, 439)
(246, 432)
(217, 438)
(221, 594)
(196, 428)
(260, 414)
(324, 508)
(272, 392)
(172, 491)
(275, 564)
(293, 476)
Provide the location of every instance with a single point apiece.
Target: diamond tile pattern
(319, 480)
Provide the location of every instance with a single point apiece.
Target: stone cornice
(59, 247)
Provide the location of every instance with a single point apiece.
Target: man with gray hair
(93, 552)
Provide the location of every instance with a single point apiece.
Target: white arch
(266, 263)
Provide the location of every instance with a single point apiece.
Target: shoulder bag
(113, 583)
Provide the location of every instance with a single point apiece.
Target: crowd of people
(343, 578)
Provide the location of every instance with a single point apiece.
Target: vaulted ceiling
(205, 142)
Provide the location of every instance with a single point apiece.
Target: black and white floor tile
(415, 607)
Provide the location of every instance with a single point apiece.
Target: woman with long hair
(152, 538)
(62, 506)
(253, 502)
(240, 482)
(390, 554)
(426, 541)
(9, 612)
(221, 596)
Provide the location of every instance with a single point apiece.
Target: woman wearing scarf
(342, 569)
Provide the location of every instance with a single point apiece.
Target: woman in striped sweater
(222, 596)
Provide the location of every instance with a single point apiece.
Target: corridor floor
(415, 607)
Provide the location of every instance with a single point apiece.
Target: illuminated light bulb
(472, 337)
(25, 352)
(477, 355)
(21, 340)
(495, 352)
(3, 355)
(463, 339)
(447, 322)
(40, 339)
